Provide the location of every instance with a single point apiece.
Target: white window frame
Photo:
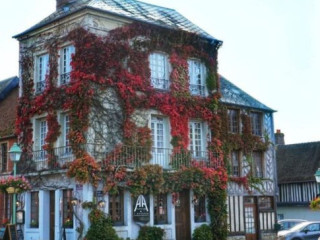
(42, 70)
(65, 63)
(197, 84)
(198, 151)
(160, 149)
(40, 124)
(159, 70)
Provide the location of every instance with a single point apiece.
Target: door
(52, 214)
(250, 215)
(182, 212)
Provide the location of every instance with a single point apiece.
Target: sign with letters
(141, 209)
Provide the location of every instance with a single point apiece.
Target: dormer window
(66, 68)
(256, 123)
(197, 76)
(42, 66)
(159, 68)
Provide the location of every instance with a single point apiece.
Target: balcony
(127, 156)
(159, 83)
(64, 78)
(40, 86)
(197, 89)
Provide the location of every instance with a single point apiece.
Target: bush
(202, 233)
(101, 227)
(150, 233)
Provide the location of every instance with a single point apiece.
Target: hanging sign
(141, 209)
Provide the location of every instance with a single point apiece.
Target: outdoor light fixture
(74, 201)
(14, 154)
(101, 203)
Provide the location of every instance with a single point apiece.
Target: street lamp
(15, 154)
(317, 176)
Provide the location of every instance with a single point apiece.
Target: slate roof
(233, 95)
(131, 9)
(297, 162)
(7, 85)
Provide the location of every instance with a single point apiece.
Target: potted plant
(14, 184)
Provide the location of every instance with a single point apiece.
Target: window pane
(116, 208)
(196, 139)
(4, 156)
(67, 214)
(235, 163)
(200, 209)
(233, 120)
(34, 213)
(257, 164)
(256, 123)
(160, 209)
(196, 77)
(159, 70)
(265, 203)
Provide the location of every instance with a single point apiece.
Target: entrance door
(182, 212)
(52, 215)
(250, 214)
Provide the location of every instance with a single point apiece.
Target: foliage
(202, 233)
(150, 233)
(101, 227)
(21, 184)
(315, 204)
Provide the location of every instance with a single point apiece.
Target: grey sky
(271, 50)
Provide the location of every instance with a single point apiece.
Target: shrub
(150, 233)
(101, 227)
(202, 233)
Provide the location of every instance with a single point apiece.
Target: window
(160, 209)
(34, 210)
(314, 227)
(196, 141)
(257, 164)
(265, 203)
(233, 120)
(159, 140)
(256, 123)
(116, 208)
(199, 209)
(197, 72)
(66, 129)
(42, 70)
(66, 68)
(159, 70)
(235, 163)
(67, 212)
(4, 156)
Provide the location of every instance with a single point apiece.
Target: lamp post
(15, 154)
(317, 176)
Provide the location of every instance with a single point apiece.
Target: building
(8, 104)
(121, 106)
(251, 206)
(296, 167)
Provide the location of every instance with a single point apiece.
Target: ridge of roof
(7, 85)
(233, 95)
(130, 9)
(303, 144)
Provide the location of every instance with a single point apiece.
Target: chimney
(62, 3)
(279, 137)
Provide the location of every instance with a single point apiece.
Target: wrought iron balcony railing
(40, 86)
(160, 83)
(64, 78)
(197, 89)
(127, 156)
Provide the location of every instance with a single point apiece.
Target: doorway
(182, 212)
(250, 215)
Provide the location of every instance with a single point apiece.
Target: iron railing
(64, 78)
(197, 89)
(127, 156)
(160, 83)
(40, 86)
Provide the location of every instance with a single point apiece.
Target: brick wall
(8, 109)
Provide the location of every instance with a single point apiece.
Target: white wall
(303, 212)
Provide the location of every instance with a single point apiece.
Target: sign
(141, 209)
(10, 232)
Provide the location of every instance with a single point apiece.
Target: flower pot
(10, 190)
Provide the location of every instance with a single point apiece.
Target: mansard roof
(232, 95)
(7, 85)
(297, 162)
(130, 9)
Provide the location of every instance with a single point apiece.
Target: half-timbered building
(296, 168)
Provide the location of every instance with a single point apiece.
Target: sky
(271, 50)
